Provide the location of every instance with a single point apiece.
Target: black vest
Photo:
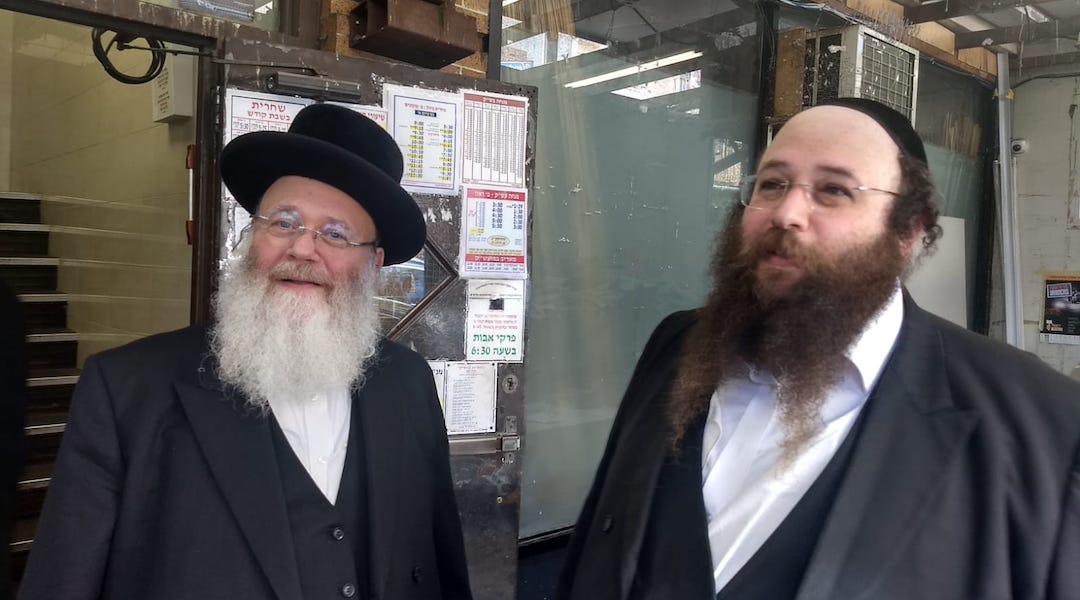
(675, 560)
(329, 540)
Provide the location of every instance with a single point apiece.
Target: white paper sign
(493, 139)
(438, 371)
(426, 125)
(375, 113)
(495, 324)
(470, 397)
(493, 233)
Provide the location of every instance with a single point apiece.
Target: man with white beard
(287, 451)
(811, 433)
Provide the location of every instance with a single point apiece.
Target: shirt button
(324, 459)
(337, 533)
(606, 524)
(416, 574)
(348, 590)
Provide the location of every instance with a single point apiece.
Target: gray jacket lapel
(239, 450)
(911, 438)
(384, 432)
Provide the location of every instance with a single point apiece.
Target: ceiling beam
(1059, 28)
(947, 9)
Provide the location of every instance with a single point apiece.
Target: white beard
(270, 342)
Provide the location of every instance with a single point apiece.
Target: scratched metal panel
(487, 468)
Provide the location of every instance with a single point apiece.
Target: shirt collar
(871, 349)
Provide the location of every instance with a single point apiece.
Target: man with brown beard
(287, 451)
(810, 432)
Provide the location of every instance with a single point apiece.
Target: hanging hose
(122, 40)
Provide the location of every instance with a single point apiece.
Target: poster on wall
(1061, 308)
(470, 397)
(493, 233)
(495, 320)
(246, 112)
(426, 125)
(375, 113)
(493, 139)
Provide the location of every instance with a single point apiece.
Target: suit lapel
(648, 437)
(383, 425)
(911, 437)
(238, 448)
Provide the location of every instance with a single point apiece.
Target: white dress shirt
(318, 432)
(746, 495)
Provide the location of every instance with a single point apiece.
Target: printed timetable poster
(493, 233)
(494, 139)
(1061, 310)
(426, 125)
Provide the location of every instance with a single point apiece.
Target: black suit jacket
(167, 487)
(12, 404)
(964, 482)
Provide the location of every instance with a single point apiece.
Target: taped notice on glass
(493, 147)
(495, 324)
(426, 125)
(470, 397)
(1061, 309)
(493, 233)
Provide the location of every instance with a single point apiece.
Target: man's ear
(908, 242)
(380, 256)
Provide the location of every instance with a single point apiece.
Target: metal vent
(859, 62)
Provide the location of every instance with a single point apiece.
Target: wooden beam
(947, 9)
(1059, 28)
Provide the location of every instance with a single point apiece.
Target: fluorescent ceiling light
(647, 66)
(509, 2)
(662, 87)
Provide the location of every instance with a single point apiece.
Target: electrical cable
(122, 40)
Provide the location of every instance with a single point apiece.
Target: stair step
(20, 208)
(52, 377)
(20, 239)
(36, 476)
(44, 315)
(29, 275)
(56, 349)
(45, 430)
(28, 502)
(22, 534)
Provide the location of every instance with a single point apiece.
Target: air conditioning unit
(854, 61)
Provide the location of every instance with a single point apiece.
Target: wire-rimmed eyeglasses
(285, 225)
(764, 193)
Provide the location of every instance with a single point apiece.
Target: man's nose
(793, 210)
(303, 245)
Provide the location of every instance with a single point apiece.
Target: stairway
(52, 356)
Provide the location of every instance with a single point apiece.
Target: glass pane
(646, 121)
(405, 285)
(953, 111)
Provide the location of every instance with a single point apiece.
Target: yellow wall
(114, 183)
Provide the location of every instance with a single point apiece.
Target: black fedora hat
(339, 147)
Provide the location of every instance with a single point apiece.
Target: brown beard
(798, 333)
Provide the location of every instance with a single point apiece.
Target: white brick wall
(1047, 183)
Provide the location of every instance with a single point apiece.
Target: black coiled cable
(121, 40)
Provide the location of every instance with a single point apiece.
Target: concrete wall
(1046, 112)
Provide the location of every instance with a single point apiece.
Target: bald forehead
(834, 139)
(841, 126)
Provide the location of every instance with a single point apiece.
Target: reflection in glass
(404, 285)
